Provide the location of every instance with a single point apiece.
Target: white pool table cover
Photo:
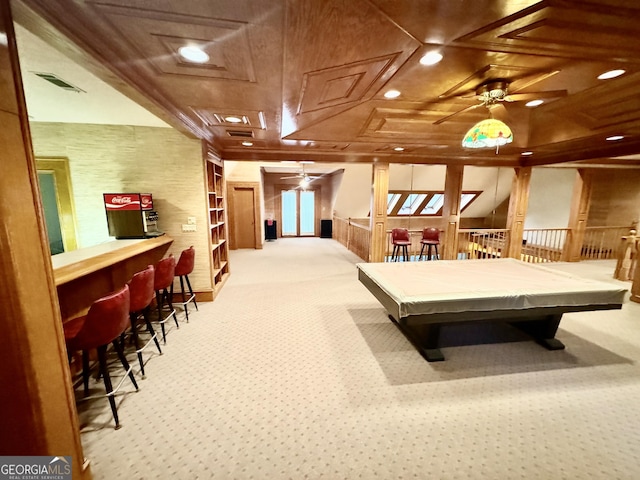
(446, 286)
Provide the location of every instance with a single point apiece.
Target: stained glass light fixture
(488, 133)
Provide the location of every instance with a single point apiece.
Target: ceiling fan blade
(287, 178)
(499, 111)
(467, 109)
(519, 97)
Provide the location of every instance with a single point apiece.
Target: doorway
(298, 212)
(51, 212)
(57, 201)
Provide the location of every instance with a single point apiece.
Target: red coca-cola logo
(121, 200)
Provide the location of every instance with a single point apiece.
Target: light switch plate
(191, 220)
(188, 228)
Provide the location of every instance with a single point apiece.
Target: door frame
(59, 166)
(257, 217)
(317, 192)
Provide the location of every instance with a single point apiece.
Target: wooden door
(244, 212)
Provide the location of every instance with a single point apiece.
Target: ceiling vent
(58, 82)
(240, 133)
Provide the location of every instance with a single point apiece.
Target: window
(401, 203)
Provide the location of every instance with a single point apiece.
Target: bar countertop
(75, 264)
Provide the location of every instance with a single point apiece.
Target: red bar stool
(163, 279)
(141, 288)
(183, 268)
(107, 319)
(430, 238)
(401, 241)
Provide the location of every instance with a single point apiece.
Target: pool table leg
(424, 338)
(544, 331)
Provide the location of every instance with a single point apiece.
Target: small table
(420, 297)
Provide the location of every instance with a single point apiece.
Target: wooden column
(38, 407)
(378, 221)
(518, 202)
(451, 211)
(580, 203)
(635, 286)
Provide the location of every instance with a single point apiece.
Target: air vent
(240, 133)
(58, 82)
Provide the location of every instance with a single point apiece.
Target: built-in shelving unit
(217, 221)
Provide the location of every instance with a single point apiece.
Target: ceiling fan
(496, 91)
(303, 176)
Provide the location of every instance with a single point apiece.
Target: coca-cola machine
(131, 215)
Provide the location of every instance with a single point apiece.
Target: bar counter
(84, 275)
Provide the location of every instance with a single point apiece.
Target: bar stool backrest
(141, 286)
(432, 234)
(108, 317)
(185, 262)
(401, 234)
(165, 271)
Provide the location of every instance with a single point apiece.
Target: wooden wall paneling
(451, 211)
(518, 203)
(379, 194)
(39, 414)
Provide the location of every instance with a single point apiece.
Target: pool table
(421, 297)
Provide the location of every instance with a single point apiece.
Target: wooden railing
(353, 236)
(539, 245)
(483, 243)
(601, 243)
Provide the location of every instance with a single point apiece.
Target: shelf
(215, 246)
(217, 227)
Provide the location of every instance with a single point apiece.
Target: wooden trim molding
(59, 166)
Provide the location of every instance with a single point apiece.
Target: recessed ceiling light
(399, 149)
(307, 161)
(610, 74)
(392, 94)
(526, 153)
(232, 119)
(534, 103)
(193, 54)
(431, 58)
(247, 144)
(613, 138)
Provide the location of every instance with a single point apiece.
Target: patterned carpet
(295, 372)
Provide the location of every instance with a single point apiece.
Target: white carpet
(295, 372)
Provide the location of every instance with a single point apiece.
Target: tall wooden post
(36, 397)
(378, 221)
(580, 204)
(451, 211)
(518, 203)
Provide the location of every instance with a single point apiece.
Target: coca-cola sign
(146, 201)
(122, 201)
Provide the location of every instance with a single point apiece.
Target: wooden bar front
(85, 275)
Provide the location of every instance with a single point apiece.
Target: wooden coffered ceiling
(307, 77)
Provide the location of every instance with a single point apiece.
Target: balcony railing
(354, 236)
(539, 245)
